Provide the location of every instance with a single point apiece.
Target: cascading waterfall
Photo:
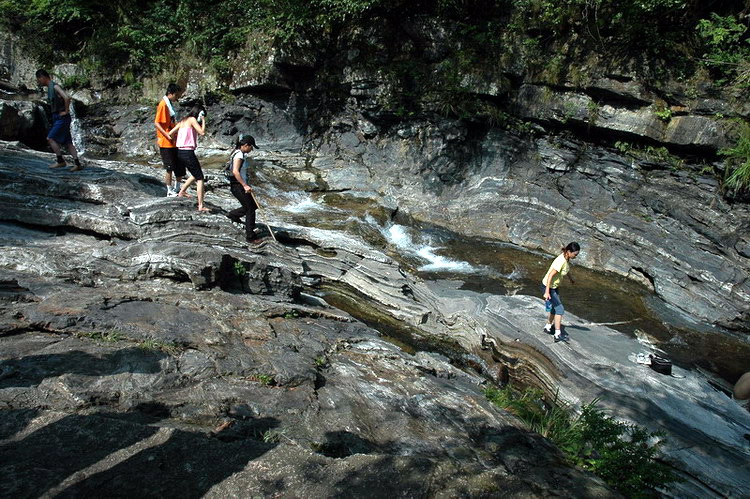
(76, 130)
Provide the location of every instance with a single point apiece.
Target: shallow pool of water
(498, 268)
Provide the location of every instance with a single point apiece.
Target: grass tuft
(623, 455)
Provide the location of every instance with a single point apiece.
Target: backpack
(227, 170)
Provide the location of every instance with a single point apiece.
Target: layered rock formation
(143, 339)
(134, 364)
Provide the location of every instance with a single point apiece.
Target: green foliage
(152, 344)
(725, 44)
(648, 24)
(76, 81)
(624, 455)
(738, 161)
(138, 37)
(104, 336)
(650, 153)
(663, 113)
(239, 269)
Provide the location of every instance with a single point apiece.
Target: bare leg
(201, 194)
(558, 322)
(74, 153)
(183, 191)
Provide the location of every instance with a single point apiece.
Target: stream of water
(497, 268)
(492, 267)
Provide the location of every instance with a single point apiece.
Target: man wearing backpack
(59, 134)
(238, 173)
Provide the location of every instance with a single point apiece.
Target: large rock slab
(134, 361)
(567, 108)
(669, 228)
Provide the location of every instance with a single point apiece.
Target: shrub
(623, 455)
(725, 45)
(738, 161)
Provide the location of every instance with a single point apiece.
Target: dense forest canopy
(704, 44)
(141, 34)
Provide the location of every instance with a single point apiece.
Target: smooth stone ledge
(704, 428)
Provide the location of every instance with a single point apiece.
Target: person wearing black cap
(238, 184)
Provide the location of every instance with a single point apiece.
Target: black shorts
(186, 158)
(169, 159)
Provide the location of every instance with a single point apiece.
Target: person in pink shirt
(186, 130)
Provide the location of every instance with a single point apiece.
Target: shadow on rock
(33, 369)
(340, 444)
(110, 455)
(15, 420)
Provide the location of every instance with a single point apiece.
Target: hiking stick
(265, 220)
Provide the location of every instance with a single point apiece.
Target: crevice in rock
(61, 230)
(342, 444)
(408, 338)
(645, 275)
(12, 291)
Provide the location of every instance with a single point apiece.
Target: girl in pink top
(194, 122)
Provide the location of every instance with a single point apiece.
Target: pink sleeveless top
(186, 138)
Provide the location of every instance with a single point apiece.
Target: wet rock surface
(134, 364)
(663, 224)
(130, 342)
(668, 228)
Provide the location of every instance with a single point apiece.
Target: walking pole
(264, 217)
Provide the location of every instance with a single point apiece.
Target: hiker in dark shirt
(59, 134)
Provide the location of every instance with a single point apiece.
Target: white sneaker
(170, 192)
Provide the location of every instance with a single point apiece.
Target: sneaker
(234, 218)
(549, 331)
(171, 193)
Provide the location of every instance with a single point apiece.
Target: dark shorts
(554, 296)
(60, 131)
(169, 159)
(188, 160)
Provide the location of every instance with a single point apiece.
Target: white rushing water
(399, 236)
(76, 131)
(302, 202)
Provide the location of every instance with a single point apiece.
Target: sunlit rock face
(660, 221)
(133, 344)
(125, 313)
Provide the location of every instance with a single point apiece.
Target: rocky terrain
(144, 339)
(133, 363)
(147, 349)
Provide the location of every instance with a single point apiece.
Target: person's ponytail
(571, 248)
